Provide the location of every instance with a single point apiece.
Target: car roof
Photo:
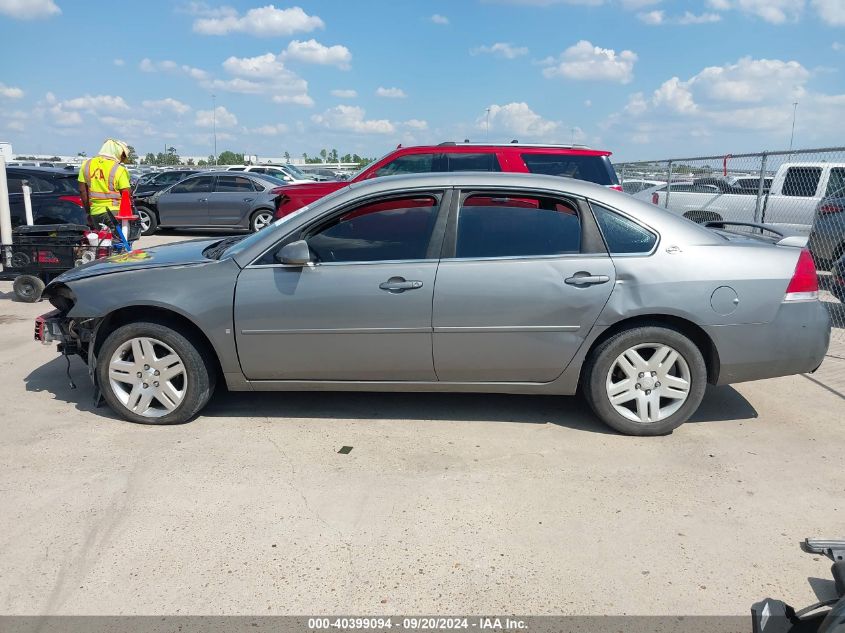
(43, 171)
(470, 148)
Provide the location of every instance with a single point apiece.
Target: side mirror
(294, 254)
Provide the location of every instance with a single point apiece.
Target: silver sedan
(473, 282)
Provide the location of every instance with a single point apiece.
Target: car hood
(179, 254)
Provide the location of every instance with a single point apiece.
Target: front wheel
(645, 381)
(151, 374)
(148, 220)
(260, 219)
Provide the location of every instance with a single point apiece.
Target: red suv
(557, 160)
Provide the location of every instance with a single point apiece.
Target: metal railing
(798, 191)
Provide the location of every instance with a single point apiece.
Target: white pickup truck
(790, 202)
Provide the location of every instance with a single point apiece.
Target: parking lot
(445, 503)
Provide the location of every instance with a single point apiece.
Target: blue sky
(642, 78)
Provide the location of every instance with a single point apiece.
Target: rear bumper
(795, 342)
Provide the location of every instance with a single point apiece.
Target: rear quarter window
(623, 236)
(595, 169)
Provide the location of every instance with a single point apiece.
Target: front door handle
(400, 284)
(582, 278)
(202, 199)
(248, 199)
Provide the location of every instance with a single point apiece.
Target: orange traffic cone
(125, 212)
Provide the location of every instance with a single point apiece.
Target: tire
(28, 288)
(118, 366)
(260, 219)
(148, 219)
(606, 372)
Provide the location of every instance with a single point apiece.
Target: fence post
(758, 207)
(5, 217)
(27, 203)
(668, 186)
(622, 179)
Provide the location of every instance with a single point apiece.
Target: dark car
(212, 199)
(572, 161)
(827, 239)
(148, 185)
(55, 195)
(837, 280)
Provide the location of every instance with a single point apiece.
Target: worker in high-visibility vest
(102, 179)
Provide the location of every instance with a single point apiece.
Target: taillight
(804, 285)
(831, 208)
(616, 187)
(74, 199)
(655, 199)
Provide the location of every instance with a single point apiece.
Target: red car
(558, 160)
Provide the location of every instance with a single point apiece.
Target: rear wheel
(260, 219)
(645, 381)
(151, 374)
(148, 219)
(28, 288)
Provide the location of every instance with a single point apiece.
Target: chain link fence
(793, 191)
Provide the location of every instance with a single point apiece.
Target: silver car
(473, 282)
(211, 199)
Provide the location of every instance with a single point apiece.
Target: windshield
(365, 167)
(295, 171)
(277, 182)
(241, 243)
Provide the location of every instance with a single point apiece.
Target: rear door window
(408, 164)
(229, 184)
(802, 182)
(516, 225)
(595, 169)
(623, 236)
(472, 162)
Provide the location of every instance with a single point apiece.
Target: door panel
(335, 322)
(514, 320)
(186, 204)
(231, 200)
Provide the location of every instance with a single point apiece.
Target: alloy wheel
(148, 377)
(262, 220)
(648, 383)
(144, 218)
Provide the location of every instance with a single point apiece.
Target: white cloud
(60, 117)
(98, 103)
(751, 80)
(224, 118)
(10, 92)
(390, 93)
(656, 18)
(302, 99)
(652, 17)
(583, 61)
(675, 95)
(518, 119)
(344, 94)
(268, 130)
(166, 105)
(352, 119)
(238, 85)
(501, 49)
(439, 19)
(831, 11)
(16, 126)
(259, 67)
(119, 62)
(639, 4)
(29, 9)
(416, 124)
(312, 52)
(261, 22)
(837, 46)
(773, 11)
(168, 66)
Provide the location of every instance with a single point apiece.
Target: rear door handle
(582, 278)
(248, 199)
(202, 199)
(399, 284)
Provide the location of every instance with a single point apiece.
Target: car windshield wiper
(217, 249)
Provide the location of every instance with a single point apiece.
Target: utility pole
(794, 113)
(573, 135)
(487, 132)
(214, 124)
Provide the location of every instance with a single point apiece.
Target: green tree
(132, 159)
(346, 158)
(287, 157)
(230, 158)
(190, 161)
(150, 159)
(202, 162)
(304, 157)
(323, 154)
(82, 154)
(333, 156)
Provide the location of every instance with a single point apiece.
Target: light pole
(214, 124)
(487, 129)
(794, 113)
